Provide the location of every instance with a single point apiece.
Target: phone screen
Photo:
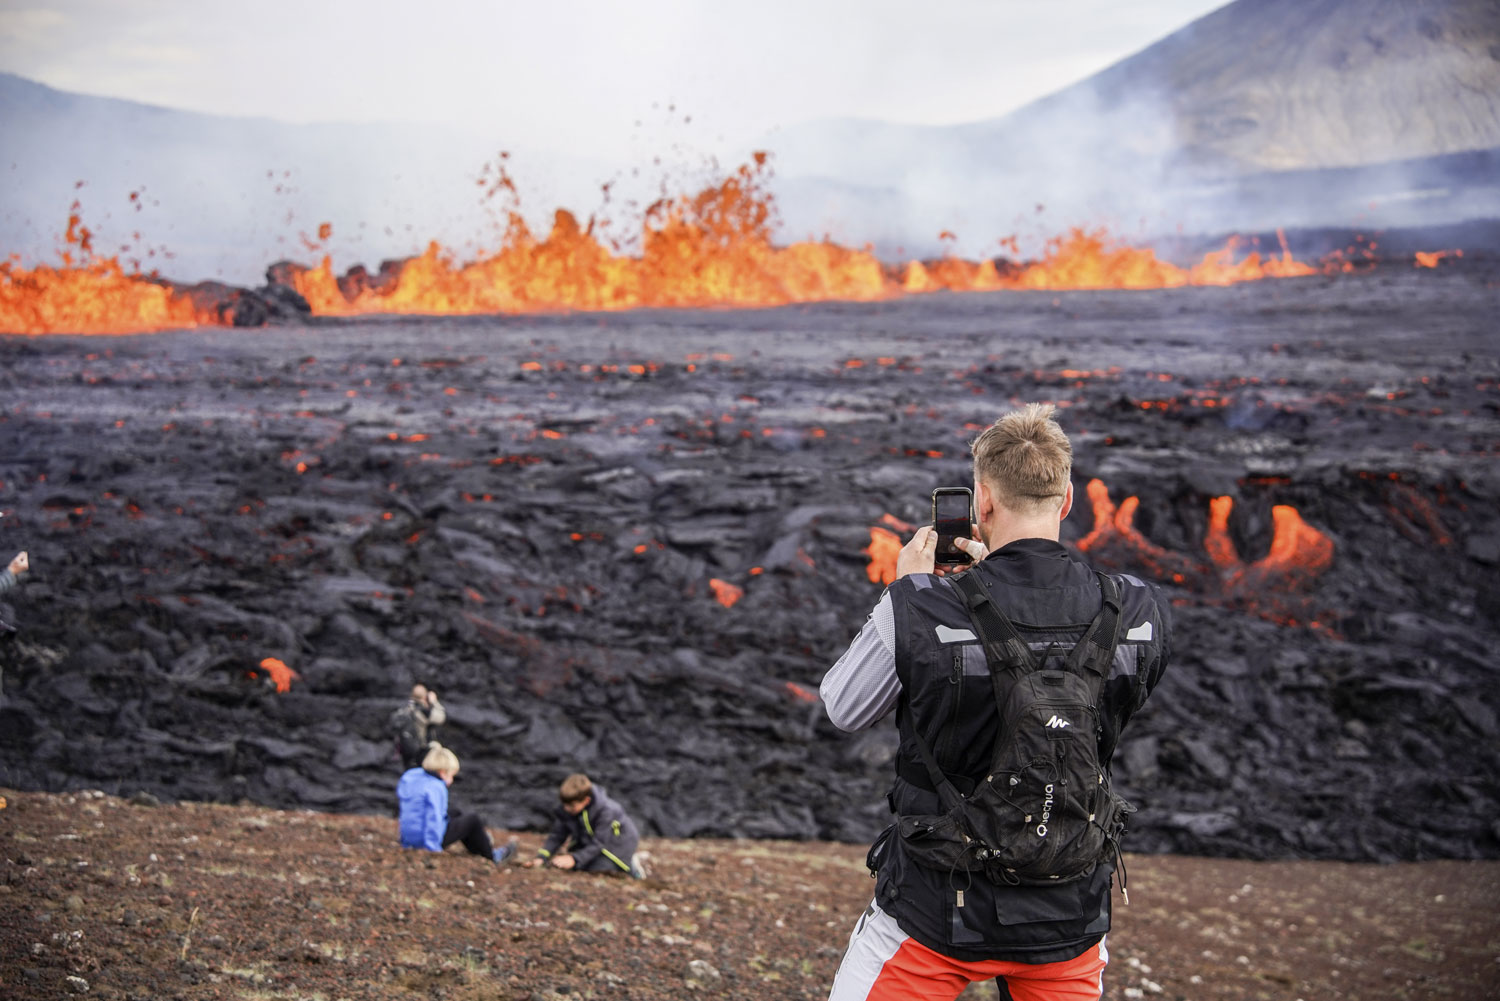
(952, 516)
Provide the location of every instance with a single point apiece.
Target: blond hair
(439, 759)
(1025, 459)
(574, 788)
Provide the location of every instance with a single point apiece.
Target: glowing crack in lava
(725, 593)
(279, 673)
(1425, 259)
(1298, 555)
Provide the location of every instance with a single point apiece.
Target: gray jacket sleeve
(862, 687)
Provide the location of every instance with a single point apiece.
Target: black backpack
(1044, 812)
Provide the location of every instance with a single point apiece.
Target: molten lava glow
(1427, 259)
(1298, 554)
(1087, 259)
(282, 675)
(799, 693)
(725, 593)
(1114, 527)
(96, 297)
(1217, 543)
(93, 296)
(712, 248)
(883, 549)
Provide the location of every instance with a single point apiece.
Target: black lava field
(548, 519)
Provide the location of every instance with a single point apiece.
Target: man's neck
(1003, 533)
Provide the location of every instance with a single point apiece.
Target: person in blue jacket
(595, 830)
(425, 821)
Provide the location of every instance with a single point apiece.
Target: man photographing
(1011, 681)
(415, 725)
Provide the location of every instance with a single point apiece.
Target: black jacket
(602, 837)
(946, 695)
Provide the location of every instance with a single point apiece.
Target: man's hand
(562, 862)
(919, 553)
(19, 564)
(532, 863)
(431, 698)
(974, 548)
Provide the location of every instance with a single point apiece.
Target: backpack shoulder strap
(1003, 649)
(997, 634)
(941, 784)
(1096, 648)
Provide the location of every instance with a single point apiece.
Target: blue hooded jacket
(424, 809)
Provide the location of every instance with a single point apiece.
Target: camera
(953, 518)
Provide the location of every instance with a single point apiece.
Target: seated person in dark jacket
(425, 820)
(595, 830)
(18, 565)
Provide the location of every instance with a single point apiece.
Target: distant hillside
(1265, 85)
(1263, 113)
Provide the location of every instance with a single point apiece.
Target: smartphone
(953, 517)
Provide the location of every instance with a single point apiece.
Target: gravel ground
(124, 900)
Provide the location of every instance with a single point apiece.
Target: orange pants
(883, 963)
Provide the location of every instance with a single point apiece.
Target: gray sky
(590, 76)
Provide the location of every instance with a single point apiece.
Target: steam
(1070, 160)
(1131, 162)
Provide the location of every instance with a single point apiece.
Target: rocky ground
(115, 899)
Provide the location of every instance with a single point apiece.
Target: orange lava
(800, 693)
(1298, 555)
(94, 298)
(709, 249)
(1217, 543)
(1114, 527)
(725, 593)
(712, 248)
(94, 295)
(282, 675)
(1430, 259)
(883, 549)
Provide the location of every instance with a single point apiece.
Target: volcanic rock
(245, 551)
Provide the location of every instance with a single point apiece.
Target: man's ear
(1067, 504)
(984, 503)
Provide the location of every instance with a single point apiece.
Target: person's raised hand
(974, 548)
(919, 553)
(19, 564)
